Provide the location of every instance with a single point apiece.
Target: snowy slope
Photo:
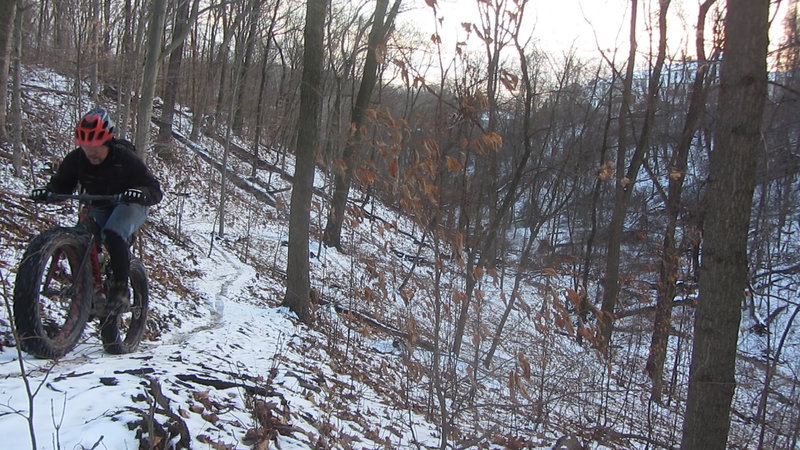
(228, 354)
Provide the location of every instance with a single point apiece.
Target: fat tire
(47, 330)
(121, 333)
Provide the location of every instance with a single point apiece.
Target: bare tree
(251, 35)
(16, 91)
(184, 11)
(127, 68)
(155, 32)
(262, 86)
(298, 284)
(8, 10)
(731, 182)
(626, 177)
(678, 167)
(482, 252)
(382, 23)
(495, 32)
(232, 20)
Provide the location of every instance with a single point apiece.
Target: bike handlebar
(86, 197)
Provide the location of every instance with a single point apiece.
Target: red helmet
(95, 129)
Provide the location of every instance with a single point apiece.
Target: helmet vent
(94, 129)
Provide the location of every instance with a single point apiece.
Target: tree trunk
(487, 241)
(488, 238)
(155, 33)
(93, 44)
(585, 305)
(16, 92)
(611, 278)
(250, 41)
(60, 16)
(43, 23)
(527, 124)
(8, 9)
(380, 27)
(298, 284)
(492, 18)
(626, 181)
(223, 190)
(524, 259)
(128, 63)
(171, 84)
(200, 79)
(723, 274)
(263, 87)
(670, 252)
(230, 24)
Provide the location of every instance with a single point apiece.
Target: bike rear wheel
(52, 293)
(121, 333)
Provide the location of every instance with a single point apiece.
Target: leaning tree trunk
(585, 304)
(332, 236)
(731, 182)
(627, 181)
(527, 122)
(670, 251)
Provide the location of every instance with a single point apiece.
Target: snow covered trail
(227, 281)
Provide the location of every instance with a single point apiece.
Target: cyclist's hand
(133, 196)
(40, 195)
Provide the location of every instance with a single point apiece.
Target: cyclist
(103, 164)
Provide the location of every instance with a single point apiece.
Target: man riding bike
(103, 165)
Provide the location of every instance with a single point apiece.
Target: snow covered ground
(229, 353)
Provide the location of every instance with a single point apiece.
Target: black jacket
(121, 170)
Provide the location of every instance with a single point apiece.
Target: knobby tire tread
(33, 337)
(123, 340)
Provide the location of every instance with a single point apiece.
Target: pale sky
(558, 25)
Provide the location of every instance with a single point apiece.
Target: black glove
(133, 196)
(40, 195)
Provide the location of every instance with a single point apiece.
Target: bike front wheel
(122, 332)
(53, 293)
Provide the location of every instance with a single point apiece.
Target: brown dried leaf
(525, 364)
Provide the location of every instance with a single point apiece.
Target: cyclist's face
(96, 154)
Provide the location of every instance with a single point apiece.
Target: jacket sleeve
(147, 183)
(65, 179)
(152, 192)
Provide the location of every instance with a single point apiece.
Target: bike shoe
(119, 298)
